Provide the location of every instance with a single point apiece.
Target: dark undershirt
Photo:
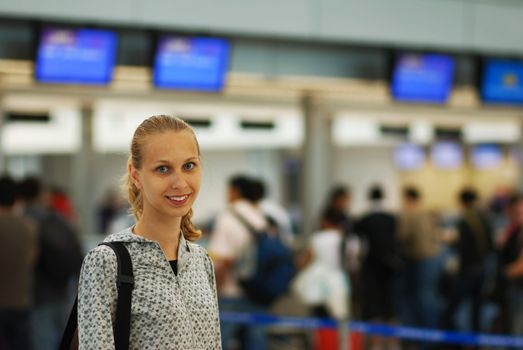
(174, 266)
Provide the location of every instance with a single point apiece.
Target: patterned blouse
(167, 311)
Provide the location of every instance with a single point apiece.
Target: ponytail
(190, 232)
(134, 195)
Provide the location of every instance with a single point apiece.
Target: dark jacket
(475, 241)
(378, 229)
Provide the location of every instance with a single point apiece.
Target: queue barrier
(410, 333)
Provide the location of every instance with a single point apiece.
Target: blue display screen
(486, 156)
(198, 64)
(409, 156)
(422, 78)
(81, 56)
(447, 155)
(502, 81)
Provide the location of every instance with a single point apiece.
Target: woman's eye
(189, 166)
(162, 169)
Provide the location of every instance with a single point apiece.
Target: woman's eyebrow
(161, 161)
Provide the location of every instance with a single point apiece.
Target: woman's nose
(178, 181)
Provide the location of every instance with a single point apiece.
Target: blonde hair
(154, 125)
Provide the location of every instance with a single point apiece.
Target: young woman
(174, 303)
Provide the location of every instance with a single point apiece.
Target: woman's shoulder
(201, 254)
(197, 249)
(103, 254)
(100, 257)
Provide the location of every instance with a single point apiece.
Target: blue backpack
(273, 266)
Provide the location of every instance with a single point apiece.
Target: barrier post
(344, 335)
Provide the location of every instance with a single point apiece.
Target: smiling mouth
(178, 200)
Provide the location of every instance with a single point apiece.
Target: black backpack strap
(125, 284)
(70, 336)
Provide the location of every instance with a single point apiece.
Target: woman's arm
(209, 267)
(97, 296)
(212, 282)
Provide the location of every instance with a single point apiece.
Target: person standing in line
(419, 243)
(339, 200)
(17, 255)
(56, 268)
(276, 215)
(108, 210)
(507, 243)
(61, 203)
(474, 246)
(380, 266)
(510, 260)
(323, 284)
(174, 301)
(229, 245)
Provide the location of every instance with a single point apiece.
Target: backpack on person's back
(60, 254)
(273, 267)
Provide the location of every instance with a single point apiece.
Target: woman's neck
(165, 232)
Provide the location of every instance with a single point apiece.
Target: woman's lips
(178, 200)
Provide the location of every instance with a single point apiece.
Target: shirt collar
(127, 235)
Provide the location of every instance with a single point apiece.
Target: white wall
(362, 167)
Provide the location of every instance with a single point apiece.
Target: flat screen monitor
(75, 56)
(446, 155)
(422, 78)
(409, 156)
(486, 156)
(191, 63)
(502, 81)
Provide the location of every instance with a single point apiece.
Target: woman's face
(169, 178)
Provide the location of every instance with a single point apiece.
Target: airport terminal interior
(386, 136)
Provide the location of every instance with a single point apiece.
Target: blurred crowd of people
(414, 267)
(40, 259)
(422, 269)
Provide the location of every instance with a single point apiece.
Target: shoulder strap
(244, 221)
(125, 284)
(70, 336)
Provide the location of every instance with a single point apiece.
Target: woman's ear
(135, 175)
